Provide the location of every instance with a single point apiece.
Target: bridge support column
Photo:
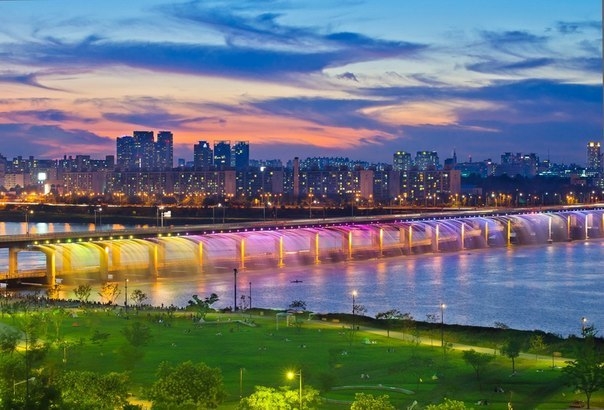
(13, 262)
(103, 261)
(51, 266)
(486, 233)
(588, 223)
(314, 247)
(410, 239)
(241, 253)
(279, 251)
(154, 260)
(347, 244)
(380, 239)
(509, 232)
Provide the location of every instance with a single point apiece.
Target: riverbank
(150, 215)
(325, 348)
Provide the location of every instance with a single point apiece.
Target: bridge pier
(154, 256)
(434, 233)
(13, 261)
(241, 253)
(279, 251)
(347, 244)
(314, 248)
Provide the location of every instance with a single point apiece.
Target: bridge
(162, 251)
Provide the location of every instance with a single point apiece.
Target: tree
(9, 338)
(52, 292)
(448, 404)
(187, 385)
(138, 297)
(137, 334)
(109, 292)
(82, 293)
(297, 305)
(586, 372)
(91, 390)
(280, 399)
(511, 349)
(389, 316)
(478, 361)
(364, 401)
(537, 344)
(203, 306)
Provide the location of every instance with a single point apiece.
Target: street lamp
(583, 322)
(291, 375)
(442, 324)
(250, 295)
(354, 308)
(235, 289)
(160, 216)
(126, 294)
(98, 211)
(27, 213)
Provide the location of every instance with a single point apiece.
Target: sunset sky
(353, 78)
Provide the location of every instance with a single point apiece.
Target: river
(550, 287)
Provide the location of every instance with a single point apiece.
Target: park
(96, 355)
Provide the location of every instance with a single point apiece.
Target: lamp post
(27, 213)
(250, 295)
(442, 324)
(234, 289)
(97, 211)
(583, 322)
(354, 309)
(291, 375)
(126, 294)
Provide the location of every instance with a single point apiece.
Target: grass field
(255, 350)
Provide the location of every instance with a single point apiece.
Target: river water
(549, 287)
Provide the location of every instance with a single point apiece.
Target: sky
(351, 78)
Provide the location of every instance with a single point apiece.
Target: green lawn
(325, 351)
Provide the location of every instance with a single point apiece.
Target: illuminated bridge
(209, 248)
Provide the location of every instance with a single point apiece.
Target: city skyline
(339, 78)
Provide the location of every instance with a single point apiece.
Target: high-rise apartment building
(203, 156)
(594, 157)
(427, 160)
(144, 149)
(402, 161)
(164, 150)
(241, 155)
(222, 154)
(125, 152)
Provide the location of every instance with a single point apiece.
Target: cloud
(248, 45)
(577, 27)
(501, 67)
(30, 79)
(48, 115)
(163, 120)
(347, 76)
(345, 113)
(51, 141)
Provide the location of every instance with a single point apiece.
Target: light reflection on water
(547, 287)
